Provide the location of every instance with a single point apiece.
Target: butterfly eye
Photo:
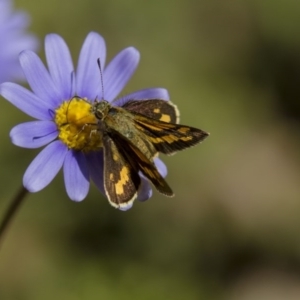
(99, 114)
(100, 109)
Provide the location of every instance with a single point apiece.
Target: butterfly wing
(157, 120)
(169, 138)
(121, 180)
(139, 162)
(157, 109)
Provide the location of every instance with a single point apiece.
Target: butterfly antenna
(101, 76)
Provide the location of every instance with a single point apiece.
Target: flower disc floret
(77, 125)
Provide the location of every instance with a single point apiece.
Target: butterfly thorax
(115, 120)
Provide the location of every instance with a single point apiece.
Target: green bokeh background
(233, 229)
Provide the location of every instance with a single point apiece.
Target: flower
(13, 39)
(60, 94)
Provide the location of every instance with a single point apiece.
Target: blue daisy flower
(60, 100)
(13, 40)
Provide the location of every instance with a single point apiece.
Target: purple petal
(125, 208)
(145, 191)
(60, 64)
(88, 79)
(5, 9)
(10, 66)
(16, 22)
(39, 78)
(151, 93)
(25, 101)
(119, 71)
(18, 43)
(95, 163)
(34, 134)
(44, 167)
(161, 167)
(76, 175)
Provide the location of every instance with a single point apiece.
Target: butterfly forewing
(138, 160)
(121, 180)
(169, 138)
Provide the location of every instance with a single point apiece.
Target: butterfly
(132, 136)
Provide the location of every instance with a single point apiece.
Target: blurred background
(233, 230)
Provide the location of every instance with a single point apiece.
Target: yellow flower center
(77, 125)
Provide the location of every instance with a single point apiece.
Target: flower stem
(11, 210)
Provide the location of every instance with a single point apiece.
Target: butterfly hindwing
(156, 109)
(158, 120)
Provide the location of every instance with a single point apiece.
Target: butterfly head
(100, 109)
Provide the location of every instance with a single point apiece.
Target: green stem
(11, 211)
